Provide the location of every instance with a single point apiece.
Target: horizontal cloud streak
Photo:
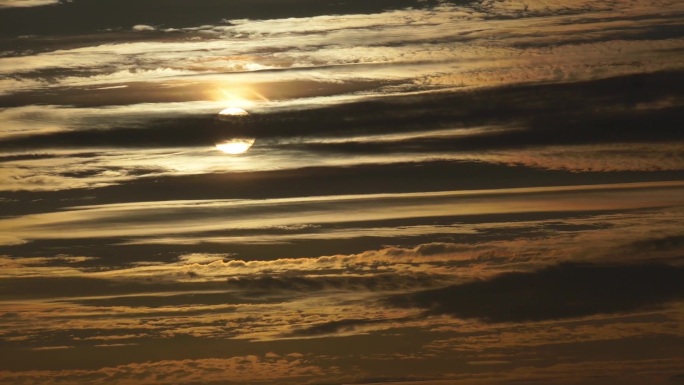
(26, 3)
(150, 219)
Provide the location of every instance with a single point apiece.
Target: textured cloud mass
(438, 192)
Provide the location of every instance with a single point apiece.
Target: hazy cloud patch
(143, 27)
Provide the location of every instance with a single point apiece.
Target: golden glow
(235, 146)
(236, 95)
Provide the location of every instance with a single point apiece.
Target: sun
(235, 146)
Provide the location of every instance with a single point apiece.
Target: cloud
(602, 158)
(598, 371)
(234, 370)
(193, 301)
(77, 286)
(52, 348)
(471, 336)
(511, 168)
(445, 124)
(656, 245)
(471, 246)
(372, 282)
(198, 258)
(178, 14)
(333, 327)
(533, 146)
(563, 291)
(179, 217)
(143, 27)
(447, 46)
(26, 3)
(9, 263)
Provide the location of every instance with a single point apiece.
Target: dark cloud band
(564, 291)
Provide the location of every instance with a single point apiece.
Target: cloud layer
(439, 192)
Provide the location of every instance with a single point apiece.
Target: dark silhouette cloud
(333, 327)
(563, 291)
(14, 158)
(659, 244)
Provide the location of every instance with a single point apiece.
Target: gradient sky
(460, 192)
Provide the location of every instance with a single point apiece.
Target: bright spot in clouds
(233, 111)
(235, 146)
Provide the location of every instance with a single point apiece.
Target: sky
(409, 192)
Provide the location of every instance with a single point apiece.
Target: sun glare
(235, 146)
(233, 111)
(244, 96)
